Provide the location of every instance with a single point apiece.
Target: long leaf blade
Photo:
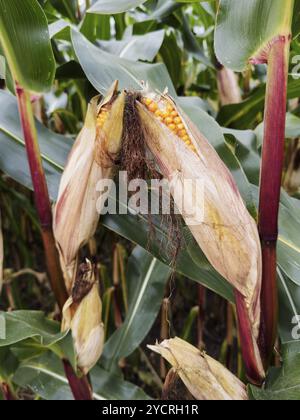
(28, 52)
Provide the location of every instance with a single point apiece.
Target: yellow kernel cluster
(102, 117)
(168, 115)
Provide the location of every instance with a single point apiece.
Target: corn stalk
(8, 395)
(43, 205)
(270, 187)
(41, 195)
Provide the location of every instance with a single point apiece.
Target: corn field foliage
(142, 305)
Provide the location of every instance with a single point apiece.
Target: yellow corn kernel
(168, 115)
(169, 120)
(147, 101)
(172, 127)
(153, 107)
(182, 133)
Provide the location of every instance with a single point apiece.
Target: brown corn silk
(226, 233)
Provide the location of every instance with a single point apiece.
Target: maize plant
(149, 193)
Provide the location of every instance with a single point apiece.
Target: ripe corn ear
(227, 234)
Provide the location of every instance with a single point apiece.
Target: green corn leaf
(244, 28)
(147, 279)
(109, 7)
(28, 52)
(46, 378)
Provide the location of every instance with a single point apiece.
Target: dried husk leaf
(205, 378)
(82, 314)
(92, 159)
(228, 87)
(226, 232)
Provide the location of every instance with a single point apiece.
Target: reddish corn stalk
(81, 388)
(41, 195)
(270, 187)
(7, 392)
(201, 316)
(43, 206)
(254, 373)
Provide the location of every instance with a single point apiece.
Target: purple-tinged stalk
(80, 387)
(270, 187)
(8, 395)
(201, 316)
(43, 206)
(41, 195)
(248, 346)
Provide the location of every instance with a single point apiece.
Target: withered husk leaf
(205, 378)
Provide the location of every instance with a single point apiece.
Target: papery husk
(92, 159)
(204, 377)
(82, 314)
(226, 233)
(228, 87)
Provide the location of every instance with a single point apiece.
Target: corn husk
(204, 377)
(225, 232)
(228, 87)
(82, 314)
(92, 159)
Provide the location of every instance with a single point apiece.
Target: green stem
(270, 188)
